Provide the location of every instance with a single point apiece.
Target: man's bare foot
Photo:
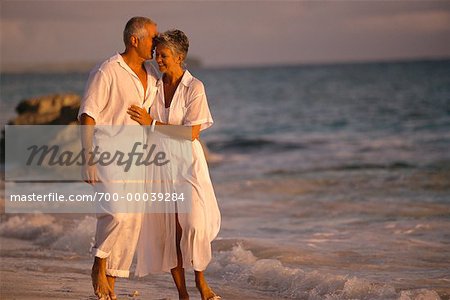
(205, 291)
(99, 280)
(111, 283)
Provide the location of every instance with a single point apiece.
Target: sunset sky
(230, 33)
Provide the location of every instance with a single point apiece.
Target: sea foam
(38, 227)
(49, 231)
(241, 267)
(79, 239)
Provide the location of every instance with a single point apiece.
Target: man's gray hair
(136, 26)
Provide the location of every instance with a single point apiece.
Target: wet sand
(31, 272)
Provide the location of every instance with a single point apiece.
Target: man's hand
(89, 174)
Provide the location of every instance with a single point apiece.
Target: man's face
(145, 45)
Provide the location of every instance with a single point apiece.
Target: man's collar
(119, 59)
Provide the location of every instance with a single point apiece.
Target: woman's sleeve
(197, 109)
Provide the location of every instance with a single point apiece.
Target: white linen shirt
(189, 105)
(112, 88)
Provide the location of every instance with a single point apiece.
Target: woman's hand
(140, 115)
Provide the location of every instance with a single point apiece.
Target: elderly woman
(180, 100)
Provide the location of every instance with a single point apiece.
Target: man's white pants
(119, 215)
(118, 226)
(116, 239)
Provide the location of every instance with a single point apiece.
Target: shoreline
(29, 271)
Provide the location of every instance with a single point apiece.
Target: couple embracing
(124, 91)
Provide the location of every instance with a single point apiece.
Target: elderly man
(123, 80)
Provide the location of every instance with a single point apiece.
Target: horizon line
(85, 66)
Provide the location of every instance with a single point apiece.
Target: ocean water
(333, 181)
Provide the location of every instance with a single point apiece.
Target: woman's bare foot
(205, 291)
(99, 280)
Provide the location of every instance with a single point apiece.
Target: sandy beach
(31, 272)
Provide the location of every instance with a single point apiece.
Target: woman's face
(166, 59)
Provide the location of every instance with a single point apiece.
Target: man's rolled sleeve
(95, 96)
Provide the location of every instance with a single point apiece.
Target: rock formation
(58, 109)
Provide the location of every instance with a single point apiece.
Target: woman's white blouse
(189, 105)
